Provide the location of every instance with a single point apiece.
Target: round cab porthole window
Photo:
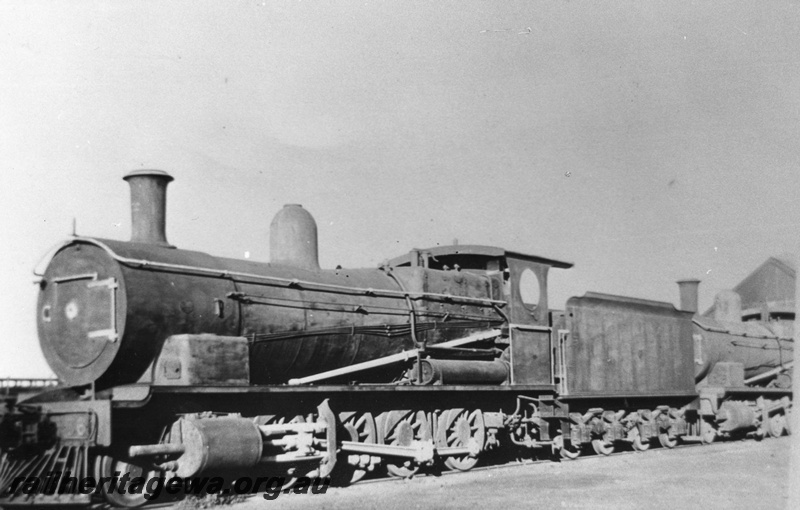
(529, 288)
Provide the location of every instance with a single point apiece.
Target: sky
(643, 141)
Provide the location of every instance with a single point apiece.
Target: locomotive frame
(181, 363)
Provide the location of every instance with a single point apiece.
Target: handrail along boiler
(180, 363)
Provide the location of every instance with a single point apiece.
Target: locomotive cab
(524, 290)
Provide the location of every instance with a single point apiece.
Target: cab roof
(476, 250)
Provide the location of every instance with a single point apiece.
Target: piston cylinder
(216, 444)
(736, 416)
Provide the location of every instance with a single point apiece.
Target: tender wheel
(105, 466)
(403, 428)
(637, 443)
(459, 428)
(777, 425)
(666, 441)
(570, 452)
(602, 447)
(361, 428)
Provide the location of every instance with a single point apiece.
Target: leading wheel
(462, 428)
(138, 475)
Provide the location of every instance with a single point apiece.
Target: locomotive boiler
(177, 363)
(106, 308)
(761, 349)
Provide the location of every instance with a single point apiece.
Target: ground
(735, 475)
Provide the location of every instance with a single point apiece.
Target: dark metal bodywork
(752, 344)
(179, 361)
(529, 323)
(148, 306)
(298, 321)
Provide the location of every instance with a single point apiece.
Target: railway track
(498, 466)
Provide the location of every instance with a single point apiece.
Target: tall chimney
(149, 206)
(688, 290)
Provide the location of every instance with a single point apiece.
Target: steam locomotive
(178, 363)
